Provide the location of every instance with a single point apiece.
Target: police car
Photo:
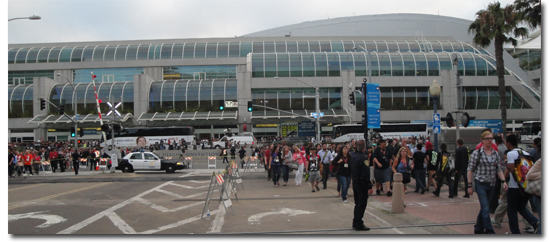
(148, 161)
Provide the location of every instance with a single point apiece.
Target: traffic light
(221, 105)
(250, 106)
(465, 119)
(42, 104)
(81, 132)
(61, 109)
(73, 132)
(352, 98)
(117, 127)
(105, 128)
(448, 120)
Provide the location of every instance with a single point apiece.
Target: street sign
(373, 117)
(373, 95)
(231, 104)
(315, 115)
(437, 130)
(436, 118)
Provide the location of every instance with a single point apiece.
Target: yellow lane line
(55, 195)
(15, 189)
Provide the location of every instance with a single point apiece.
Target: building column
(245, 95)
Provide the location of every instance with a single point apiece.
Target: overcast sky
(104, 20)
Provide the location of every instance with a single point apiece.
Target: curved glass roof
(220, 50)
(384, 63)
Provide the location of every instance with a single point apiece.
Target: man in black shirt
(419, 159)
(360, 176)
(76, 157)
(382, 169)
(461, 166)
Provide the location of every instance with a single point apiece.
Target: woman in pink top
(299, 156)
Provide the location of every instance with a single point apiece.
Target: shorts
(381, 176)
(314, 176)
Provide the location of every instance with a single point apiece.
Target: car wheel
(127, 169)
(170, 169)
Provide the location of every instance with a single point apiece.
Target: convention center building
(180, 82)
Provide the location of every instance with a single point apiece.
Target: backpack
(522, 165)
(448, 163)
(434, 158)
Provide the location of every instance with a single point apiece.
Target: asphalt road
(160, 203)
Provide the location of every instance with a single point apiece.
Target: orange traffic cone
(97, 168)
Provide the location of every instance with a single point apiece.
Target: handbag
(534, 187)
(406, 177)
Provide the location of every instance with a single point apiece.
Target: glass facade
(383, 64)
(25, 77)
(191, 95)
(85, 97)
(216, 50)
(106, 75)
(402, 98)
(20, 101)
(293, 98)
(199, 72)
(488, 98)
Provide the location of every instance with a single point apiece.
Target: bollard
(398, 197)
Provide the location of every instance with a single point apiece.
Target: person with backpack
(517, 198)
(445, 169)
(483, 165)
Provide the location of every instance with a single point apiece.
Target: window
(397, 64)
(283, 69)
(321, 64)
(385, 65)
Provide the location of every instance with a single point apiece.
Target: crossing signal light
(81, 132)
(465, 119)
(352, 98)
(61, 109)
(221, 105)
(105, 128)
(250, 106)
(42, 104)
(73, 132)
(448, 120)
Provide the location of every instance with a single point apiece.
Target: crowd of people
(485, 170)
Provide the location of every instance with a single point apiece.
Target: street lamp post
(435, 91)
(318, 118)
(75, 108)
(34, 17)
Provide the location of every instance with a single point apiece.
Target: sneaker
(389, 194)
(529, 229)
(536, 228)
(313, 190)
(498, 225)
(345, 201)
(377, 192)
(317, 187)
(423, 191)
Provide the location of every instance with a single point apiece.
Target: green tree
(530, 11)
(497, 24)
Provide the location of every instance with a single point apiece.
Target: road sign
(315, 115)
(436, 118)
(373, 117)
(373, 95)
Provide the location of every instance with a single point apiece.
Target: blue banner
(494, 124)
(373, 117)
(306, 128)
(373, 95)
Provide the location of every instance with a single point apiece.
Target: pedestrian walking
(275, 165)
(76, 157)
(484, 164)
(343, 161)
(461, 163)
(299, 157)
(517, 199)
(360, 176)
(443, 157)
(313, 166)
(287, 158)
(326, 158)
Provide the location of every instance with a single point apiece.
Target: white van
(242, 139)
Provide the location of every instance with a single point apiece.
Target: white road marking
(218, 221)
(50, 219)
(121, 224)
(290, 212)
(177, 224)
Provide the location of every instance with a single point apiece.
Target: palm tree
(531, 12)
(496, 24)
